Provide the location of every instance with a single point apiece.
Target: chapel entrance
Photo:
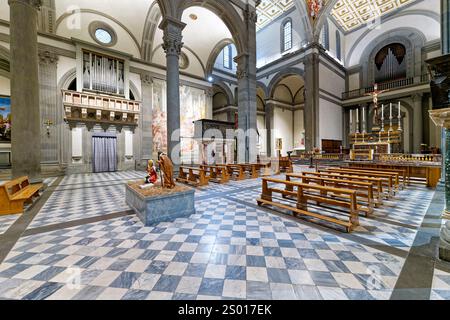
(104, 153)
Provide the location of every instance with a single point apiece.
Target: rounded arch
(226, 90)
(134, 89)
(226, 11)
(150, 27)
(280, 76)
(306, 30)
(214, 53)
(263, 87)
(412, 39)
(102, 14)
(67, 79)
(323, 17)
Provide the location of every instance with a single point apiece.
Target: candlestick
(351, 121)
(364, 120)
(400, 117)
(382, 118)
(390, 119)
(357, 120)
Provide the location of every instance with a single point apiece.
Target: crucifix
(375, 95)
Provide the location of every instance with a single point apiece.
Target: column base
(440, 186)
(444, 248)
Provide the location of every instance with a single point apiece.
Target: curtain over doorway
(104, 153)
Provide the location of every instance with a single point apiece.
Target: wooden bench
(194, 176)
(236, 171)
(377, 183)
(217, 174)
(395, 175)
(16, 193)
(387, 179)
(364, 190)
(252, 170)
(406, 179)
(285, 165)
(318, 194)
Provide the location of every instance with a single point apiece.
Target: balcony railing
(386, 86)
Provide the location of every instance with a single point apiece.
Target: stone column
(270, 110)
(418, 122)
(51, 115)
(311, 63)
(26, 126)
(246, 75)
(147, 118)
(172, 44)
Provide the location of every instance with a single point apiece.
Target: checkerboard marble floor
(229, 249)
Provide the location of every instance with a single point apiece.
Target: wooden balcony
(102, 109)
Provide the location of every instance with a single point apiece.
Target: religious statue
(151, 171)
(166, 167)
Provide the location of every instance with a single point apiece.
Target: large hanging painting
(192, 108)
(5, 119)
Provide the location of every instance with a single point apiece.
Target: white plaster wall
(330, 81)
(4, 10)
(124, 44)
(353, 81)
(5, 87)
(261, 125)
(424, 24)
(330, 121)
(221, 116)
(283, 128)
(65, 64)
(268, 40)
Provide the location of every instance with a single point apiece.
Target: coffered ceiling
(269, 10)
(351, 14)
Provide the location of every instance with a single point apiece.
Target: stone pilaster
(47, 16)
(172, 44)
(51, 116)
(246, 75)
(26, 128)
(146, 125)
(270, 109)
(209, 103)
(418, 122)
(311, 63)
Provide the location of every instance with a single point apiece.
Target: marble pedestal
(161, 208)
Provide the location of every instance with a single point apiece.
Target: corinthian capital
(172, 39)
(47, 57)
(34, 3)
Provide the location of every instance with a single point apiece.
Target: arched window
(338, 46)
(227, 57)
(286, 36)
(325, 36)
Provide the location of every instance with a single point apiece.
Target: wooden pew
(264, 169)
(16, 193)
(308, 192)
(364, 190)
(402, 173)
(377, 183)
(217, 174)
(194, 176)
(285, 165)
(251, 169)
(395, 175)
(388, 180)
(235, 171)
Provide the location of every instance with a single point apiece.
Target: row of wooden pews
(220, 173)
(335, 195)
